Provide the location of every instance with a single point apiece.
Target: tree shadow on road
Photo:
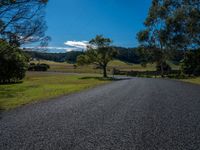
(1, 111)
(105, 79)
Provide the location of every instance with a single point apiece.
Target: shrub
(191, 63)
(38, 67)
(45, 65)
(13, 63)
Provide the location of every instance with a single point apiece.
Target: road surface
(131, 114)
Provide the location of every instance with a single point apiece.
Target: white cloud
(65, 49)
(77, 44)
(69, 46)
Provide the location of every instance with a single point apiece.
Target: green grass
(69, 68)
(40, 86)
(192, 80)
(123, 66)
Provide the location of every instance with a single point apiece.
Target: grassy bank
(192, 80)
(40, 86)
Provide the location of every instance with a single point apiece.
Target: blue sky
(72, 23)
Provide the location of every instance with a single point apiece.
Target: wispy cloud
(69, 46)
(77, 44)
(65, 49)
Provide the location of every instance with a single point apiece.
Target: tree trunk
(162, 70)
(161, 63)
(104, 71)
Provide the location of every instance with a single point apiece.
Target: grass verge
(39, 86)
(192, 80)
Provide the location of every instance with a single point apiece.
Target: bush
(45, 65)
(38, 67)
(191, 63)
(197, 71)
(13, 63)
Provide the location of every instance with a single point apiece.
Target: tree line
(69, 57)
(129, 55)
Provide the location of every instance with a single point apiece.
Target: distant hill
(70, 57)
(129, 55)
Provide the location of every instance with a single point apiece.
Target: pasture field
(43, 85)
(120, 65)
(117, 64)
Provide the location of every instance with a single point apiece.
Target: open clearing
(40, 85)
(117, 64)
(123, 66)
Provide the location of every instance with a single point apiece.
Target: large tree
(22, 21)
(154, 37)
(99, 52)
(171, 25)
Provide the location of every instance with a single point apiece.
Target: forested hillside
(57, 57)
(130, 55)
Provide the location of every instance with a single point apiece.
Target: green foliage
(99, 53)
(191, 63)
(184, 25)
(155, 34)
(170, 25)
(143, 36)
(154, 39)
(83, 60)
(154, 55)
(22, 21)
(69, 57)
(100, 41)
(130, 55)
(38, 67)
(13, 63)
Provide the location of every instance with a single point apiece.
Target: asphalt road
(134, 114)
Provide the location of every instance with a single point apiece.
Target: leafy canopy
(172, 24)
(22, 21)
(99, 52)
